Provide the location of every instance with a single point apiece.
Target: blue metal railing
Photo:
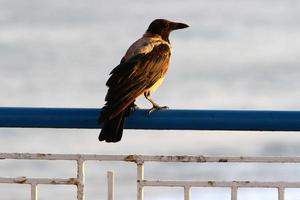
(86, 118)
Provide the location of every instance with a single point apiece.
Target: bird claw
(134, 107)
(155, 108)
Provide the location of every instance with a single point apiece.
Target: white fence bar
(280, 193)
(149, 158)
(229, 184)
(233, 193)
(140, 160)
(80, 177)
(34, 192)
(187, 193)
(140, 179)
(32, 181)
(110, 185)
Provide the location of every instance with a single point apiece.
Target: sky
(234, 55)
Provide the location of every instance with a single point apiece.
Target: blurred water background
(235, 55)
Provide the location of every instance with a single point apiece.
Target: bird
(141, 71)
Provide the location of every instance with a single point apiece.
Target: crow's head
(163, 27)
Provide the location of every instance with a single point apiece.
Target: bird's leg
(155, 106)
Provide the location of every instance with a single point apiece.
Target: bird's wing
(131, 78)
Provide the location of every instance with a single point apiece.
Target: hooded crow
(141, 71)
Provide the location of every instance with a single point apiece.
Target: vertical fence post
(110, 185)
(34, 192)
(280, 193)
(187, 192)
(234, 193)
(80, 177)
(140, 178)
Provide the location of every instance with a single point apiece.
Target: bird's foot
(134, 107)
(131, 109)
(157, 107)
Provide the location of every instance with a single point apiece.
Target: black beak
(175, 26)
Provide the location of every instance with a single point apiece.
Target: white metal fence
(141, 181)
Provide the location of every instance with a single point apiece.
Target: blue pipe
(86, 118)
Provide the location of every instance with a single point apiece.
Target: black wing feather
(131, 78)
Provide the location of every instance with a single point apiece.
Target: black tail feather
(112, 130)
